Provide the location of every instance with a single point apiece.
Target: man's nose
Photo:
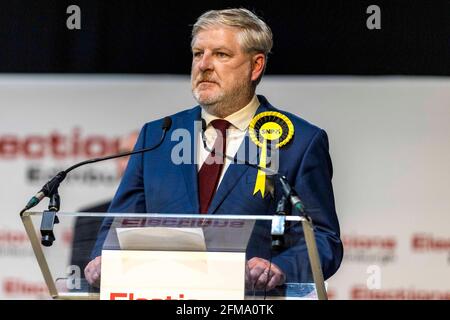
(206, 62)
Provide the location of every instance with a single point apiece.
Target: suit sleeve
(130, 196)
(313, 184)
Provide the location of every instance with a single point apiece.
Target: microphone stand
(50, 189)
(279, 224)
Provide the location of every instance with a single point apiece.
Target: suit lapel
(236, 170)
(190, 170)
(231, 177)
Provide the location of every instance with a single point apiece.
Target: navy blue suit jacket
(153, 183)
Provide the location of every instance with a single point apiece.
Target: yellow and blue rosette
(264, 127)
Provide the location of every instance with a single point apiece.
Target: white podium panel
(172, 275)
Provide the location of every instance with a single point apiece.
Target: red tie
(209, 174)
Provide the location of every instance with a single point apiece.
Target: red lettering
(169, 222)
(360, 292)
(57, 145)
(204, 223)
(417, 242)
(13, 237)
(220, 223)
(8, 286)
(131, 222)
(185, 223)
(356, 293)
(369, 242)
(153, 222)
(115, 295)
(390, 243)
(56, 142)
(9, 147)
(442, 244)
(130, 296)
(17, 286)
(427, 242)
(115, 145)
(95, 146)
(237, 224)
(33, 147)
(76, 142)
(67, 236)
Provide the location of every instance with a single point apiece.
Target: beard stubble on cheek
(206, 94)
(225, 102)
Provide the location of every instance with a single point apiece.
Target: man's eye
(222, 54)
(197, 54)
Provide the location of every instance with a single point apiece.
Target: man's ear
(258, 63)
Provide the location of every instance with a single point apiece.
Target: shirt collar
(240, 119)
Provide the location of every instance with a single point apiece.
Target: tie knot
(221, 125)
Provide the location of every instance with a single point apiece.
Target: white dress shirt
(235, 134)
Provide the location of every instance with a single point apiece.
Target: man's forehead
(217, 37)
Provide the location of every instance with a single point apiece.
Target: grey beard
(228, 104)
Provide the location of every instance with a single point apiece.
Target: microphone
(51, 187)
(288, 191)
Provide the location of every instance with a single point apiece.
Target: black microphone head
(167, 123)
(203, 125)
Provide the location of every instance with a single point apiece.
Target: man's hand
(92, 272)
(260, 277)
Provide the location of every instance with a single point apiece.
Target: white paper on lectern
(160, 238)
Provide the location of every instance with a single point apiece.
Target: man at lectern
(229, 55)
